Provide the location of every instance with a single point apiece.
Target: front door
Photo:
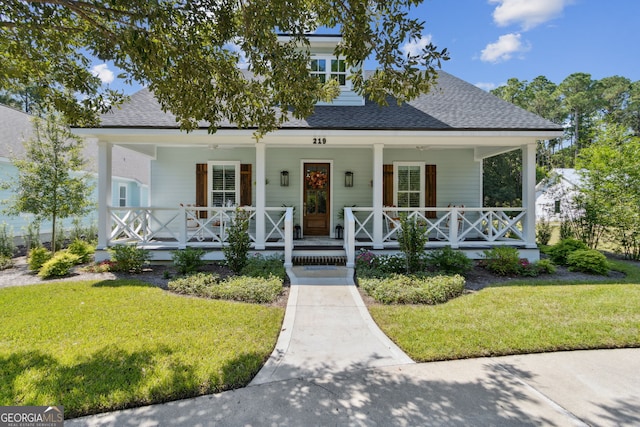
(316, 207)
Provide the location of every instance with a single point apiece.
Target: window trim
(213, 163)
(421, 165)
(327, 69)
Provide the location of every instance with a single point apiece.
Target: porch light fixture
(348, 179)
(284, 179)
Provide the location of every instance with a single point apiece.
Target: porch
(471, 230)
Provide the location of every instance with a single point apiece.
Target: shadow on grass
(112, 379)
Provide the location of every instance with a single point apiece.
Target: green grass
(524, 317)
(99, 346)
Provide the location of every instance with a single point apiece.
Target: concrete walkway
(333, 366)
(327, 329)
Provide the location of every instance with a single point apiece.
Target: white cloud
(504, 49)
(103, 72)
(486, 86)
(527, 13)
(415, 46)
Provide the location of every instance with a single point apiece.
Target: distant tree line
(582, 105)
(601, 119)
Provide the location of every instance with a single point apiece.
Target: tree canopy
(583, 105)
(187, 53)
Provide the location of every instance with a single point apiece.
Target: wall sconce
(284, 179)
(348, 179)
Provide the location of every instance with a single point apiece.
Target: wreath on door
(316, 179)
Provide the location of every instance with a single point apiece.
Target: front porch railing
(189, 226)
(451, 226)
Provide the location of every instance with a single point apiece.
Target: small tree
(238, 241)
(412, 238)
(50, 183)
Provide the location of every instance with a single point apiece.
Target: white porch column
(377, 196)
(260, 194)
(529, 193)
(105, 151)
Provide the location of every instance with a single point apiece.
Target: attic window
(319, 69)
(337, 69)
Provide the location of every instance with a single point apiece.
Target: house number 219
(320, 141)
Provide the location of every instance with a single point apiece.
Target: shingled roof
(452, 104)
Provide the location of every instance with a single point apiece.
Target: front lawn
(528, 317)
(100, 346)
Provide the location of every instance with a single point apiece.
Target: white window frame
(327, 69)
(210, 166)
(126, 195)
(396, 166)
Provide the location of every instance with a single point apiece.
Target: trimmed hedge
(237, 288)
(401, 289)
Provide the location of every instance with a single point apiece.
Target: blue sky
(491, 41)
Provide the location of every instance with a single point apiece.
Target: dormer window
(319, 69)
(336, 70)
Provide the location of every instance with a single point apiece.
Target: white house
(555, 194)
(130, 178)
(352, 164)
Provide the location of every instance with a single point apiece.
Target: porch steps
(319, 260)
(319, 256)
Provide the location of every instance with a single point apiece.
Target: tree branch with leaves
(188, 52)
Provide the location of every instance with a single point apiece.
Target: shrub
(366, 264)
(588, 261)
(236, 251)
(129, 258)
(449, 261)
(545, 266)
(238, 288)
(561, 250)
(248, 289)
(7, 245)
(401, 289)
(37, 257)
(543, 232)
(393, 264)
(194, 284)
(5, 262)
(82, 249)
(188, 261)
(503, 261)
(412, 238)
(259, 266)
(58, 266)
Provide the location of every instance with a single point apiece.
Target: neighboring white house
(130, 170)
(352, 164)
(555, 194)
